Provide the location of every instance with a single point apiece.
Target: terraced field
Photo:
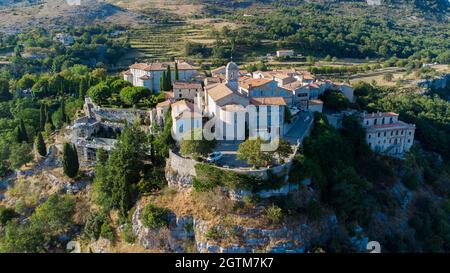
(163, 42)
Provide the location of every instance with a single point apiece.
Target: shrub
(208, 177)
(274, 214)
(6, 214)
(93, 225)
(106, 231)
(128, 234)
(154, 217)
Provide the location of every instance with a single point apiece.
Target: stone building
(149, 75)
(386, 134)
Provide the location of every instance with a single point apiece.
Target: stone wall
(183, 167)
(238, 195)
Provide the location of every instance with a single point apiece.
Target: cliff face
(189, 234)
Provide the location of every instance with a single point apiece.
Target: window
(382, 121)
(375, 122)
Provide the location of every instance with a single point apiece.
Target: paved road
(299, 128)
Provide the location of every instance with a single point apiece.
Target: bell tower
(231, 74)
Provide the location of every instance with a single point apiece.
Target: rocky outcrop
(183, 231)
(178, 180)
(171, 239)
(238, 194)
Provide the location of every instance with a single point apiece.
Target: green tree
(251, 151)
(93, 225)
(177, 75)
(82, 88)
(119, 84)
(194, 144)
(22, 135)
(99, 93)
(164, 141)
(106, 231)
(154, 217)
(115, 181)
(162, 82)
(20, 154)
(40, 145)
(133, 94)
(42, 116)
(102, 189)
(168, 81)
(5, 95)
(6, 214)
(26, 82)
(54, 215)
(283, 150)
(70, 160)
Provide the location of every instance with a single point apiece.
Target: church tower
(231, 74)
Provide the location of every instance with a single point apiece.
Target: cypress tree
(42, 117)
(177, 75)
(22, 132)
(168, 80)
(70, 160)
(40, 145)
(82, 88)
(48, 118)
(64, 116)
(162, 82)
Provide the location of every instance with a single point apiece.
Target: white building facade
(149, 75)
(386, 134)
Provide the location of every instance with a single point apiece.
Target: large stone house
(149, 75)
(386, 134)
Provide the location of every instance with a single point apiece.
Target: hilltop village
(241, 151)
(196, 98)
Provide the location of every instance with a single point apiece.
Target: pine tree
(70, 160)
(42, 117)
(177, 75)
(40, 145)
(168, 81)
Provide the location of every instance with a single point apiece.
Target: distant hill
(436, 6)
(16, 15)
(19, 14)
